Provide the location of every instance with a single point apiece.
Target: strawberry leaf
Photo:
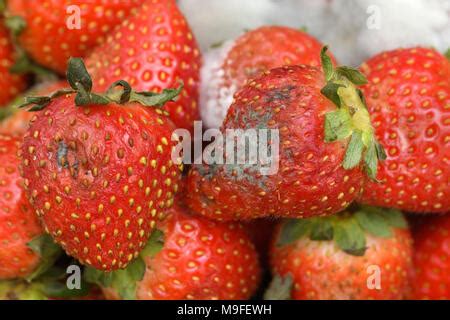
(337, 125)
(330, 91)
(156, 99)
(349, 237)
(154, 245)
(48, 251)
(351, 74)
(321, 230)
(354, 151)
(123, 281)
(292, 230)
(371, 161)
(15, 24)
(280, 288)
(373, 223)
(78, 76)
(327, 64)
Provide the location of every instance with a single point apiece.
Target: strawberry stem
(81, 83)
(351, 120)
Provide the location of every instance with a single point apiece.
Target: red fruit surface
(100, 176)
(432, 259)
(18, 222)
(11, 84)
(153, 50)
(310, 179)
(408, 96)
(201, 259)
(321, 271)
(50, 35)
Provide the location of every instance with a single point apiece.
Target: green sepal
(154, 244)
(321, 230)
(81, 83)
(373, 223)
(125, 281)
(21, 290)
(347, 229)
(327, 64)
(337, 125)
(351, 119)
(48, 251)
(15, 24)
(40, 103)
(354, 151)
(447, 54)
(23, 65)
(350, 237)
(58, 289)
(355, 77)
(292, 230)
(279, 288)
(77, 75)
(2, 6)
(156, 99)
(330, 91)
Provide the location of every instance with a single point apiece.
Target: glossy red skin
(11, 84)
(47, 37)
(19, 121)
(321, 271)
(432, 259)
(408, 96)
(153, 50)
(310, 180)
(105, 212)
(201, 259)
(18, 223)
(266, 48)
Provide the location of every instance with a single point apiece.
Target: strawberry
(49, 32)
(253, 53)
(153, 50)
(408, 96)
(326, 143)
(17, 120)
(192, 258)
(12, 84)
(361, 253)
(24, 251)
(432, 259)
(18, 224)
(97, 168)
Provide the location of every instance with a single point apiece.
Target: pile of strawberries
(355, 210)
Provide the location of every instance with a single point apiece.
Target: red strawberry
(17, 121)
(99, 170)
(251, 54)
(322, 147)
(408, 96)
(11, 84)
(153, 50)
(432, 259)
(363, 254)
(198, 259)
(18, 223)
(51, 37)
